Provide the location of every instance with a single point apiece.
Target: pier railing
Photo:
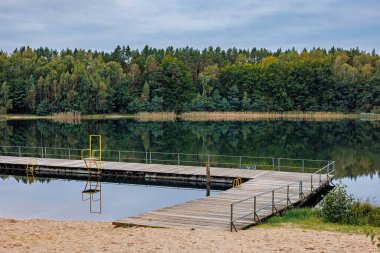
(318, 170)
(226, 161)
(281, 197)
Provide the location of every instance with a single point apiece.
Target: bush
(374, 216)
(337, 205)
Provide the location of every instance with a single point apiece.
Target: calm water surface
(354, 145)
(60, 199)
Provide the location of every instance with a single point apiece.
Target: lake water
(354, 145)
(61, 199)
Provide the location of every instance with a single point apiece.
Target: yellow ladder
(30, 170)
(237, 182)
(93, 155)
(91, 190)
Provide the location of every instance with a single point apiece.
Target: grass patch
(307, 218)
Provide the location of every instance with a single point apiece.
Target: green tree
(5, 101)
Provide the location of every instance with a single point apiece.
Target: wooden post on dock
(208, 174)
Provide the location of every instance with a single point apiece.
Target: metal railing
(241, 162)
(290, 193)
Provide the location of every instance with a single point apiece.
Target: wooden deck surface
(213, 212)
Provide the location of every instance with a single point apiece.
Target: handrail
(328, 165)
(287, 198)
(216, 160)
(263, 193)
(171, 153)
(273, 204)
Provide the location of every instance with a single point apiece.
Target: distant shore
(82, 236)
(205, 116)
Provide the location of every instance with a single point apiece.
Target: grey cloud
(103, 24)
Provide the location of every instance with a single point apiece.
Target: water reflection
(61, 199)
(354, 145)
(92, 193)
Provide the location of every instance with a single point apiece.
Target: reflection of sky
(364, 187)
(62, 200)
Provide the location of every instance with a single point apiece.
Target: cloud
(103, 24)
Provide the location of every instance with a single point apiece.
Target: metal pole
(178, 159)
(272, 201)
(239, 162)
(300, 190)
(119, 156)
(150, 157)
(287, 195)
(311, 183)
(42, 152)
(146, 157)
(254, 208)
(273, 164)
(19, 151)
(278, 164)
(69, 153)
(328, 169)
(232, 211)
(45, 152)
(303, 165)
(208, 160)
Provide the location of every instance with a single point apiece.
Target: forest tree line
(44, 81)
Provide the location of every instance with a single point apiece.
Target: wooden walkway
(264, 192)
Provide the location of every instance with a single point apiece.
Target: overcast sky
(103, 24)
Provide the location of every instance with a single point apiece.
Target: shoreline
(205, 116)
(88, 236)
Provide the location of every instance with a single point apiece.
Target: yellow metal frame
(91, 156)
(91, 189)
(30, 170)
(237, 182)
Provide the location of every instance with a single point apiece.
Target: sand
(78, 236)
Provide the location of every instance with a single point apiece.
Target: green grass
(308, 219)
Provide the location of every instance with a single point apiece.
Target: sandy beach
(78, 236)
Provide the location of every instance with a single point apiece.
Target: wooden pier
(262, 194)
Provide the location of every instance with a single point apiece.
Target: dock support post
(278, 164)
(208, 174)
(254, 208)
(178, 159)
(300, 190)
(272, 201)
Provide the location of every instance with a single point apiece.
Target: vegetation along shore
(44, 81)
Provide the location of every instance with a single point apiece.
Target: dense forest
(43, 81)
